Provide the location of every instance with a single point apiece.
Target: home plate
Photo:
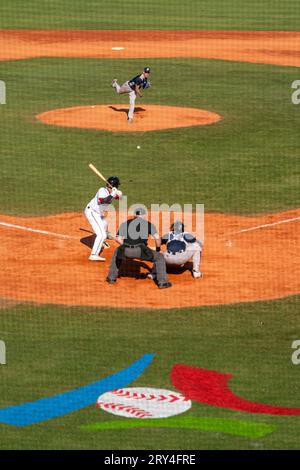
(141, 402)
(117, 48)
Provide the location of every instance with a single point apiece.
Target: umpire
(133, 238)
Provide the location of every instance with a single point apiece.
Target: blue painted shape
(58, 405)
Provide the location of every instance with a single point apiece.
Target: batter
(95, 213)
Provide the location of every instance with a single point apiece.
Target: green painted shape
(227, 426)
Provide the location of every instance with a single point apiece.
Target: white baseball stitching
(138, 412)
(170, 398)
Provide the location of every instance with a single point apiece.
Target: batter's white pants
(125, 88)
(99, 226)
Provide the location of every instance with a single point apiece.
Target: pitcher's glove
(147, 85)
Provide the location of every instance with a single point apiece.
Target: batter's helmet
(177, 227)
(114, 181)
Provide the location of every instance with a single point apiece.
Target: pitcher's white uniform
(130, 87)
(125, 88)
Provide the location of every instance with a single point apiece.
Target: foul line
(263, 226)
(42, 232)
(68, 237)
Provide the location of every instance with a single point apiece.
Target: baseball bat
(94, 169)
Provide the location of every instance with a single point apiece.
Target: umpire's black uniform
(135, 233)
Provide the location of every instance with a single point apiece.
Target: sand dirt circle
(245, 258)
(113, 117)
(260, 264)
(264, 47)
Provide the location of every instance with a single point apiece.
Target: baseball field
(217, 127)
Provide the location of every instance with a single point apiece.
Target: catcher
(181, 247)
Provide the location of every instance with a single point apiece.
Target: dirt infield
(114, 117)
(245, 258)
(258, 264)
(266, 47)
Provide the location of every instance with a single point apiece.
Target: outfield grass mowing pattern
(159, 14)
(248, 163)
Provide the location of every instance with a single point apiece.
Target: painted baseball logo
(142, 402)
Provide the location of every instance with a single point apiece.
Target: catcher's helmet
(177, 227)
(147, 70)
(114, 181)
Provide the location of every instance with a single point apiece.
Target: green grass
(54, 349)
(157, 14)
(247, 163)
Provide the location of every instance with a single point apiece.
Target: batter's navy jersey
(139, 80)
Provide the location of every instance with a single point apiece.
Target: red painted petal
(211, 387)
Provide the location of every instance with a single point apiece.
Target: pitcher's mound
(114, 117)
